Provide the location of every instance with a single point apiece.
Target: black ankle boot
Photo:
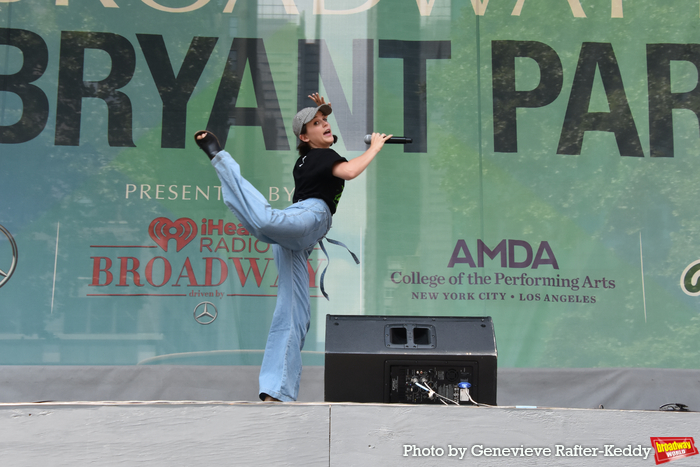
(209, 144)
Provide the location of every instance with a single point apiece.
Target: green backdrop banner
(550, 183)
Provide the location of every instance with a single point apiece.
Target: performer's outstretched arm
(354, 167)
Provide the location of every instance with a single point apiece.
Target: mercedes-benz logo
(205, 313)
(5, 270)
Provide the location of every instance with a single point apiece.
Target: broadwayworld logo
(669, 449)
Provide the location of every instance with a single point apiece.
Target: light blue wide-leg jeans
(293, 232)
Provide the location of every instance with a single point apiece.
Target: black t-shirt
(313, 177)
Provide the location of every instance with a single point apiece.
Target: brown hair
(303, 147)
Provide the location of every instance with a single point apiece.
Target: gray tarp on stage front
(613, 388)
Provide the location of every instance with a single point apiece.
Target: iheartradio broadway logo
(162, 230)
(668, 449)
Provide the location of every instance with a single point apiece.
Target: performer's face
(318, 132)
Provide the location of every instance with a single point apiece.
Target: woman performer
(319, 177)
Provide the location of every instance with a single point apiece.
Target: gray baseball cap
(304, 116)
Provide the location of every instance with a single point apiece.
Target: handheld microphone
(392, 140)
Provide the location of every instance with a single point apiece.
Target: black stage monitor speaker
(410, 359)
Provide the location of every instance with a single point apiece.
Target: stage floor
(582, 388)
